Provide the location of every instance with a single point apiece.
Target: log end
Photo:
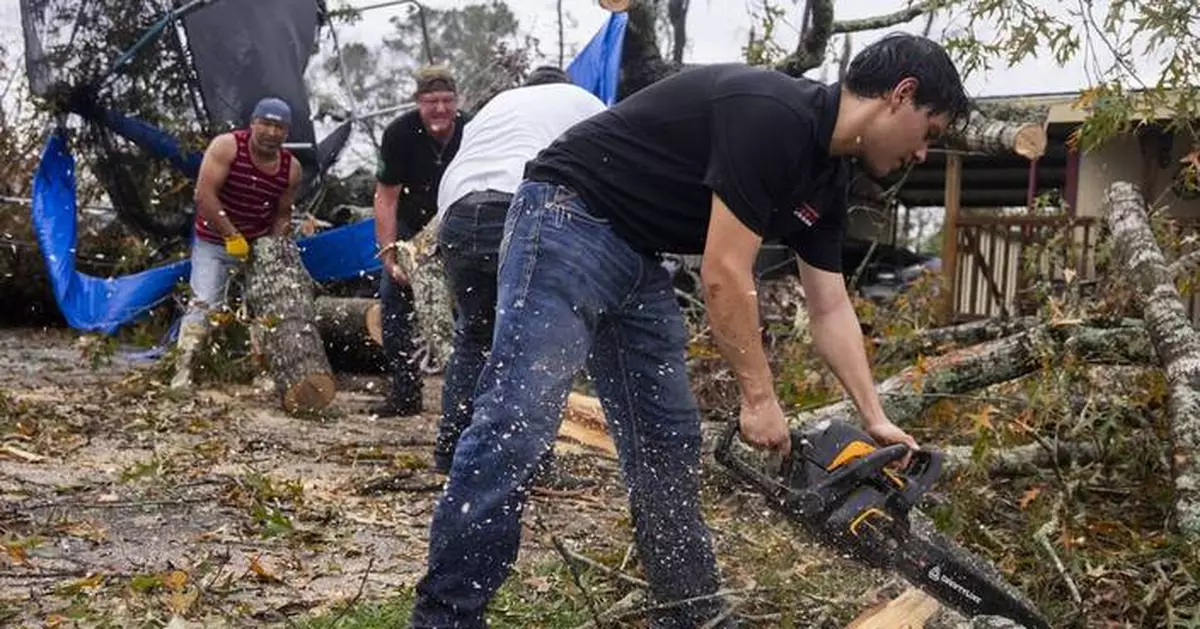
(1030, 142)
(311, 393)
(375, 322)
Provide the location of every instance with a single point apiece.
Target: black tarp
(244, 50)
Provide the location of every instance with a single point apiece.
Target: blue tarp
(99, 304)
(597, 67)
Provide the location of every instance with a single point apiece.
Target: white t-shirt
(509, 131)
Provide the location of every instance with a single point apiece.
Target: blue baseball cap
(271, 108)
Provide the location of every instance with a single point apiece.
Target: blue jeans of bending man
(571, 293)
(469, 238)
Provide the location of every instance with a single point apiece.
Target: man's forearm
(385, 215)
(209, 207)
(732, 305)
(838, 339)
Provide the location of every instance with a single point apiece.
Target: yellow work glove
(237, 246)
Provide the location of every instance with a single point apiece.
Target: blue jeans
(212, 267)
(399, 325)
(571, 293)
(469, 238)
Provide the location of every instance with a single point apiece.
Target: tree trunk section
(280, 292)
(352, 331)
(431, 300)
(1175, 340)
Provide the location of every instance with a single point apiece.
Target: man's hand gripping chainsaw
(843, 489)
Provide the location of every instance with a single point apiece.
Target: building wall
(1121, 158)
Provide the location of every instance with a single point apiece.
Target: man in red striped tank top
(244, 191)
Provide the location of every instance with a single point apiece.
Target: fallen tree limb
(907, 394)
(1175, 340)
(1020, 460)
(935, 340)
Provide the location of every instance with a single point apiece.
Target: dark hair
(542, 75)
(877, 69)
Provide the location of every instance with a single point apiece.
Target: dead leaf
(175, 580)
(262, 572)
(1029, 496)
(539, 584)
(180, 602)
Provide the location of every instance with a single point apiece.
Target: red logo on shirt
(806, 214)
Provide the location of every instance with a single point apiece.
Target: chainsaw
(850, 495)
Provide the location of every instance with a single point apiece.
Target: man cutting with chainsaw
(244, 191)
(711, 161)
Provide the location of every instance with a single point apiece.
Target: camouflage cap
(434, 78)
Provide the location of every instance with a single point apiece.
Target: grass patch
(544, 596)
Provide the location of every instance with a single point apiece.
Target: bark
(280, 292)
(351, 329)
(936, 340)
(1175, 340)
(906, 395)
(431, 299)
(984, 134)
(1021, 460)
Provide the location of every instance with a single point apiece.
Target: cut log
(351, 329)
(279, 291)
(983, 134)
(583, 422)
(1175, 340)
(910, 610)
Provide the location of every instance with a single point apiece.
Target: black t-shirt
(414, 160)
(756, 137)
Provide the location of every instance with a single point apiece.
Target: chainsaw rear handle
(724, 455)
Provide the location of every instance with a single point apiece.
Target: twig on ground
(570, 555)
(578, 578)
(1043, 538)
(642, 611)
(357, 595)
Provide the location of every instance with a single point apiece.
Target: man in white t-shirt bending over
(473, 200)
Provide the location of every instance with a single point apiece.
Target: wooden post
(950, 235)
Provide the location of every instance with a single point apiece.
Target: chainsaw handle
(724, 455)
(920, 475)
(848, 476)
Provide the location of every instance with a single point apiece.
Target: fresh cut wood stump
(280, 294)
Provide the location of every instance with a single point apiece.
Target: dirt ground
(105, 477)
(124, 505)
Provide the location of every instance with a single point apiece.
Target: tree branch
(1186, 263)
(885, 21)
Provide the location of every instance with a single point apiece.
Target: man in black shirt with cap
(415, 150)
(710, 161)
